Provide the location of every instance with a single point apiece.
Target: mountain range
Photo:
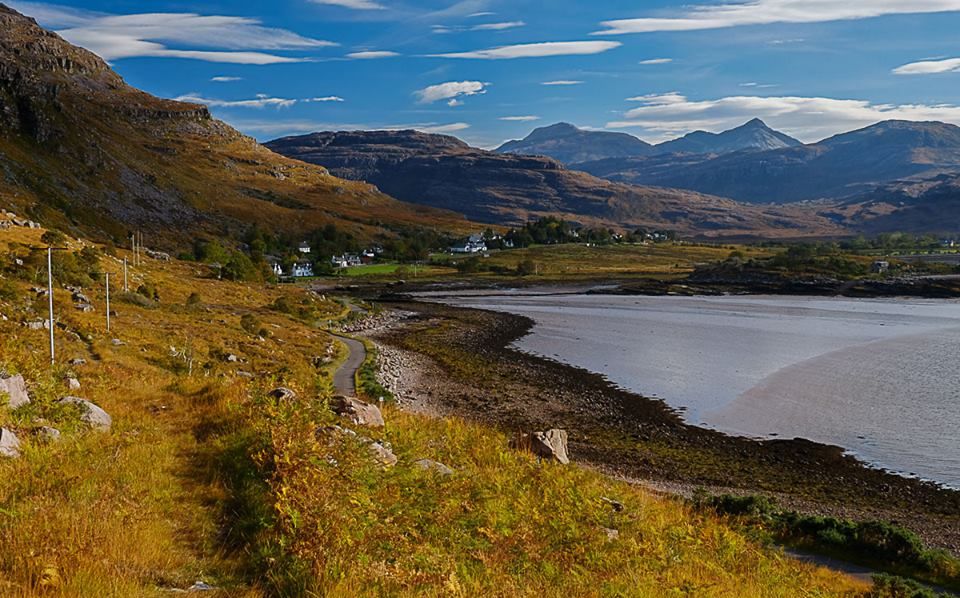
(571, 145)
(444, 172)
(83, 151)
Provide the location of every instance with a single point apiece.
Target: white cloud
(325, 99)
(222, 79)
(562, 82)
(261, 101)
(520, 119)
(354, 4)
(439, 129)
(114, 37)
(539, 50)
(480, 14)
(450, 90)
(372, 54)
(764, 12)
(498, 26)
(929, 67)
(454, 103)
(809, 119)
(656, 61)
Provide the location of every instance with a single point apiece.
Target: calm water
(878, 377)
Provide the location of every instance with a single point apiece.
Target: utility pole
(50, 301)
(108, 302)
(126, 289)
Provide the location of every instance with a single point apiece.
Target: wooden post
(126, 289)
(108, 302)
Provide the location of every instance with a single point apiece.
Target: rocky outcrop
(435, 466)
(551, 445)
(90, 414)
(282, 394)
(357, 412)
(14, 389)
(9, 444)
(380, 451)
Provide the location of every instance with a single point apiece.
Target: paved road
(343, 378)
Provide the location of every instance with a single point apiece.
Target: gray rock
(72, 383)
(430, 465)
(117, 342)
(77, 361)
(15, 389)
(90, 413)
(383, 454)
(9, 444)
(48, 434)
(358, 412)
(551, 444)
(37, 325)
(612, 534)
(282, 394)
(244, 374)
(231, 358)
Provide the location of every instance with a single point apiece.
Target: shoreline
(635, 438)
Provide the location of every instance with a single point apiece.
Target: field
(204, 477)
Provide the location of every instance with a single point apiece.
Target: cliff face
(80, 149)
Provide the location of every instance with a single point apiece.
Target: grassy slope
(203, 476)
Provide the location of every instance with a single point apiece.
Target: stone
(383, 454)
(77, 361)
(90, 413)
(117, 342)
(551, 444)
(282, 394)
(358, 412)
(9, 444)
(612, 534)
(16, 390)
(48, 434)
(84, 307)
(231, 358)
(244, 374)
(72, 383)
(37, 325)
(430, 465)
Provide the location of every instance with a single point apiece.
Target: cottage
(880, 267)
(304, 247)
(277, 268)
(474, 244)
(347, 260)
(302, 270)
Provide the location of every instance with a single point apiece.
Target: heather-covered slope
(444, 172)
(80, 149)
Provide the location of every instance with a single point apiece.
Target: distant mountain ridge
(443, 172)
(842, 166)
(569, 144)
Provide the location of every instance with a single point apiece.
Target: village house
(304, 247)
(302, 270)
(347, 260)
(474, 244)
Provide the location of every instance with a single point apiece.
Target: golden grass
(201, 477)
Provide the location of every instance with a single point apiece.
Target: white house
(304, 247)
(346, 260)
(302, 269)
(474, 244)
(277, 269)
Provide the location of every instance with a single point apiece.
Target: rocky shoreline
(448, 361)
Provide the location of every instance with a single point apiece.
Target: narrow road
(344, 377)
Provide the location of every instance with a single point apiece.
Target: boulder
(77, 361)
(72, 383)
(16, 390)
(551, 444)
(281, 393)
(9, 444)
(430, 465)
(380, 451)
(90, 413)
(383, 454)
(358, 412)
(231, 358)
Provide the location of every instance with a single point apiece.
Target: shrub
(250, 323)
(193, 300)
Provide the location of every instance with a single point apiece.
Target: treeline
(555, 231)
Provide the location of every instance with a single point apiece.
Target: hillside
(202, 476)
(443, 172)
(925, 205)
(838, 167)
(752, 136)
(568, 144)
(82, 150)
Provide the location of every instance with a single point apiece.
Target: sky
(492, 70)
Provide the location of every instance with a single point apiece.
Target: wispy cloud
(520, 119)
(372, 54)
(498, 26)
(480, 14)
(764, 12)
(450, 90)
(353, 4)
(538, 50)
(438, 129)
(260, 101)
(115, 37)
(929, 67)
(653, 61)
(224, 79)
(562, 82)
(665, 116)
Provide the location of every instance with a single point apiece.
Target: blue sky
(491, 70)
